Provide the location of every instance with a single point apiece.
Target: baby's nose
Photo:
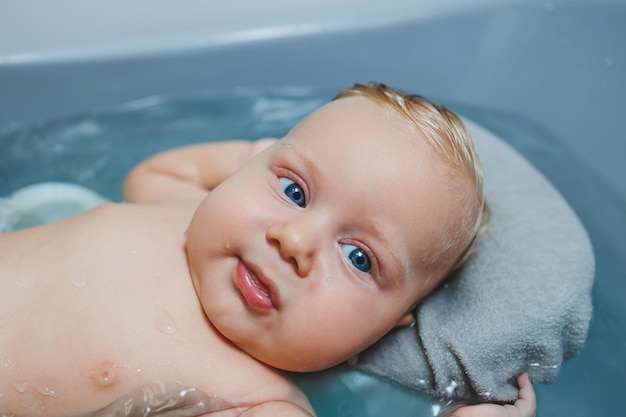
(296, 244)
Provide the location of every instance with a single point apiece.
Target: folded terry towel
(521, 304)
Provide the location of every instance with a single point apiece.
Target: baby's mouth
(255, 288)
(258, 284)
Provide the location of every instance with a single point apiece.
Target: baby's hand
(256, 148)
(525, 406)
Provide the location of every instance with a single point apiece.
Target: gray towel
(521, 304)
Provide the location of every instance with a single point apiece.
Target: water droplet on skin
(227, 245)
(20, 386)
(7, 362)
(134, 251)
(164, 322)
(45, 390)
(79, 282)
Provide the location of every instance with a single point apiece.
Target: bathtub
(546, 76)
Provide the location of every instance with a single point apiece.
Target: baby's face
(312, 251)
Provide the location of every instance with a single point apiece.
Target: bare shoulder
(288, 400)
(111, 214)
(250, 387)
(176, 213)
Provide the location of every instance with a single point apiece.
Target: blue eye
(293, 191)
(359, 259)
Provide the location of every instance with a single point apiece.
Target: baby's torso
(99, 306)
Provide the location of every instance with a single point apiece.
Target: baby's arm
(188, 172)
(276, 409)
(525, 406)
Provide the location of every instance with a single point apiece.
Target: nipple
(164, 322)
(104, 378)
(108, 374)
(105, 375)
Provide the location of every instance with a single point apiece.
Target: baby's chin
(299, 363)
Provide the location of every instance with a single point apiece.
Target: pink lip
(259, 291)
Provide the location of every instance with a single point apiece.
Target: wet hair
(448, 138)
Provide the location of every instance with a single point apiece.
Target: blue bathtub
(546, 76)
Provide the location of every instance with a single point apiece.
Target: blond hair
(448, 138)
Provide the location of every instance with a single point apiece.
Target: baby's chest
(208, 379)
(174, 343)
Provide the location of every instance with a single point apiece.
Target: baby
(235, 260)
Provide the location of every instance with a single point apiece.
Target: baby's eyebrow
(303, 157)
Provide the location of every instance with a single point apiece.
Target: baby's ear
(407, 320)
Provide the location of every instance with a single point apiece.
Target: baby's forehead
(363, 110)
(360, 118)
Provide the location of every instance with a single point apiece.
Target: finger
(527, 402)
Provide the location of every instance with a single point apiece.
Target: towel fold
(521, 304)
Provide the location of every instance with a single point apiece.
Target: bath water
(96, 149)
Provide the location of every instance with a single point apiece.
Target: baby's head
(446, 136)
(328, 239)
